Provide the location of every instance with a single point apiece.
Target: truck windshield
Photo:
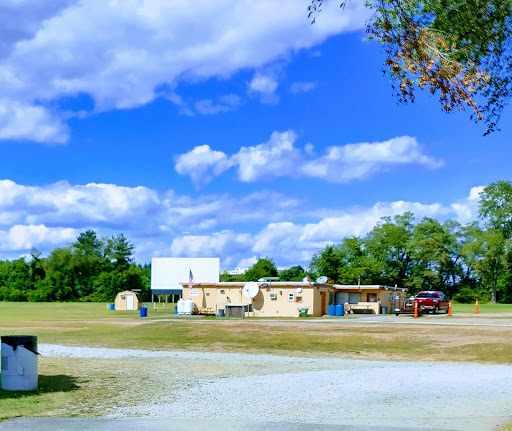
(426, 295)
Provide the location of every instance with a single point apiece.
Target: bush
(465, 296)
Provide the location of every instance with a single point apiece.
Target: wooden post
(449, 308)
(415, 308)
(476, 306)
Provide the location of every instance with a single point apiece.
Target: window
(298, 299)
(207, 294)
(331, 298)
(426, 295)
(372, 297)
(222, 291)
(291, 297)
(354, 298)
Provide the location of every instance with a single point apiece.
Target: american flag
(190, 279)
(309, 279)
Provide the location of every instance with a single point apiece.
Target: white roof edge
(367, 286)
(241, 283)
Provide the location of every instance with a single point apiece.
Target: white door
(129, 302)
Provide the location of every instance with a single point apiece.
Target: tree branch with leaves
(460, 50)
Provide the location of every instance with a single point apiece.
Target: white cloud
(235, 228)
(178, 101)
(290, 243)
(25, 122)
(279, 158)
(62, 203)
(273, 159)
(225, 244)
(345, 163)
(467, 209)
(265, 86)
(21, 19)
(119, 52)
(198, 162)
(226, 103)
(145, 216)
(25, 237)
(302, 87)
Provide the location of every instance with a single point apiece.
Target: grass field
(75, 386)
(484, 309)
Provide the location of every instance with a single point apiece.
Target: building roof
(241, 284)
(221, 284)
(367, 286)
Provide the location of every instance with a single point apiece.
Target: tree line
(464, 261)
(90, 269)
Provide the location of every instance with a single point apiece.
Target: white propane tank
(19, 363)
(189, 306)
(181, 306)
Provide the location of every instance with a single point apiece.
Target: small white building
(238, 271)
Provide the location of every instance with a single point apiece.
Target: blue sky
(229, 129)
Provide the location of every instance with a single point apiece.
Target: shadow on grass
(47, 384)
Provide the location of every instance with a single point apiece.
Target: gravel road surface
(356, 394)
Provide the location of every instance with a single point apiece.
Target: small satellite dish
(251, 289)
(321, 280)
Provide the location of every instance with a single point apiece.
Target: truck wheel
(436, 310)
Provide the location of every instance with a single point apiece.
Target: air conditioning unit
(273, 296)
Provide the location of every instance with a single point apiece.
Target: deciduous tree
(264, 267)
(460, 50)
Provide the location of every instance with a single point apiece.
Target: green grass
(91, 324)
(79, 386)
(72, 311)
(483, 309)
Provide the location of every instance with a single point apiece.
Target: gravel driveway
(302, 390)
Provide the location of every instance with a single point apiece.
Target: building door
(372, 297)
(323, 297)
(129, 302)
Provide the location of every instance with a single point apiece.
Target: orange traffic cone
(476, 306)
(449, 308)
(415, 308)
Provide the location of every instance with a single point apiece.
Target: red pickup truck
(432, 300)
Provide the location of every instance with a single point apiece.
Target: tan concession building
(288, 299)
(128, 300)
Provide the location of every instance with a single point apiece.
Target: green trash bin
(303, 312)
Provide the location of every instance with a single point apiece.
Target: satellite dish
(321, 280)
(251, 289)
